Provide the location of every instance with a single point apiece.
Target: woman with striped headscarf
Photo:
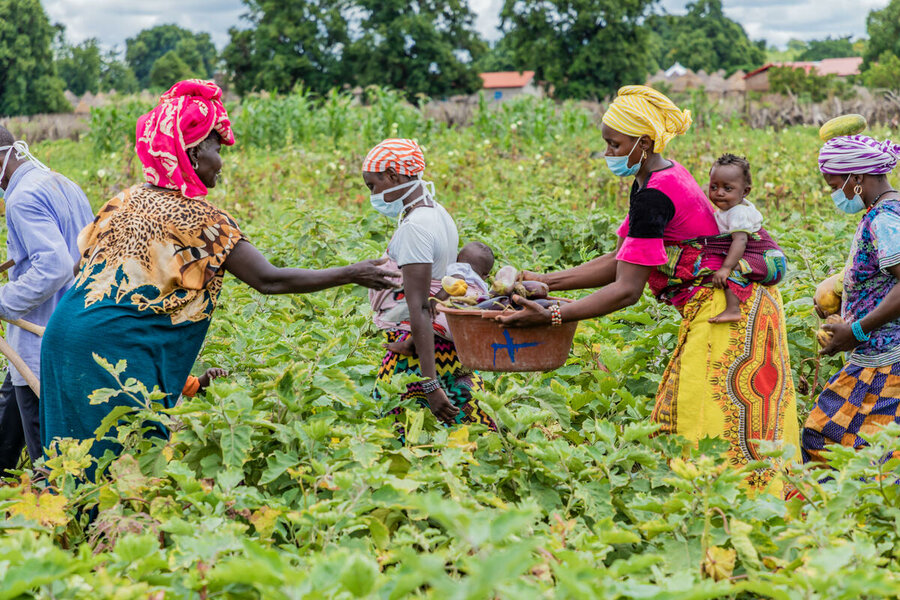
(731, 381)
(865, 394)
(423, 246)
(152, 267)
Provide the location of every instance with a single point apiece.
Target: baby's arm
(735, 253)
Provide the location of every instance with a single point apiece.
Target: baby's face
(727, 186)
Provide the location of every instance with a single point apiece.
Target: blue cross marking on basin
(511, 347)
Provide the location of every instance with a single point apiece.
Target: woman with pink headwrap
(152, 266)
(865, 394)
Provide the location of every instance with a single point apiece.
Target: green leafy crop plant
(285, 480)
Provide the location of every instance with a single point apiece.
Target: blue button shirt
(45, 212)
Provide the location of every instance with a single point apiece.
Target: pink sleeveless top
(652, 223)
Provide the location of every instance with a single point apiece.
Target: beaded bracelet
(555, 315)
(858, 332)
(430, 385)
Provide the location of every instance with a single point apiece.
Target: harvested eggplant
(498, 303)
(465, 301)
(504, 281)
(533, 290)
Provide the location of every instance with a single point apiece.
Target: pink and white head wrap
(402, 155)
(184, 117)
(858, 154)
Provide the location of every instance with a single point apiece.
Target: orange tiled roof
(507, 79)
(841, 67)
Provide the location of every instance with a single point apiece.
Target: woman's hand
(531, 314)
(370, 274)
(210, 374)
(842, 339)
(720, 278)
(532, 276)
(249, 265)
(441, 406)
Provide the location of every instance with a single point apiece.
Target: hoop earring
(194, 165)
(857, 190)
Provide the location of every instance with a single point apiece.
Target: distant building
(678, 79)
(676, 70)
(758, 79)
(503, 85)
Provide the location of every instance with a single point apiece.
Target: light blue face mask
(845, 204)
(393, 209)
(619, 164)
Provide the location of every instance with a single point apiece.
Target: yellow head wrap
(639, 110)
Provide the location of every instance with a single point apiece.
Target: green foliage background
(286, 480)
(28, 80)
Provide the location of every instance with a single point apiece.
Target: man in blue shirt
(45, 212)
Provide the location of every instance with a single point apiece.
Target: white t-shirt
(740, 217)
(426, 235)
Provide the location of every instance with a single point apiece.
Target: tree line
(426, 48)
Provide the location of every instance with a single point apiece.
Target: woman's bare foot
(406, 347)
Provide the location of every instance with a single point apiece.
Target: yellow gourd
(454, 286)
(843, 125)
(823, 336)
(828, 294)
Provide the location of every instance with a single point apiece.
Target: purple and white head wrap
(858, 154)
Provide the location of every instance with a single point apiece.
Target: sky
(112, 21)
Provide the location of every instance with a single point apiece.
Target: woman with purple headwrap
(865, 394)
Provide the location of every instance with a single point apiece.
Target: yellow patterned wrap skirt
(733, 381)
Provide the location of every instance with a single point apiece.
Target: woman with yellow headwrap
(730, 381)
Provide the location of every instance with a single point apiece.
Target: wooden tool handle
(26, 325)
(21, 367)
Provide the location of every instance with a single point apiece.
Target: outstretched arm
(594, 273)
(249, 265)
(623, 292)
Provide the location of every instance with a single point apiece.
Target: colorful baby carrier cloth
(689, 267)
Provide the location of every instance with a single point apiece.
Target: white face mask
(22, 151)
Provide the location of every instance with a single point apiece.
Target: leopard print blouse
(158, 251)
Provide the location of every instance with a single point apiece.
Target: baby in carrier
(473, 264)
(729, 184)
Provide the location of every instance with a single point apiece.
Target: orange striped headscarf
(402, 155)
(640, 110)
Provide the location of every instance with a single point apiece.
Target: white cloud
(777, 21)
(488, 20)
(113, 21)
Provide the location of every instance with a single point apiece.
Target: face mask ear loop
(23, 152)
(9, 150)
